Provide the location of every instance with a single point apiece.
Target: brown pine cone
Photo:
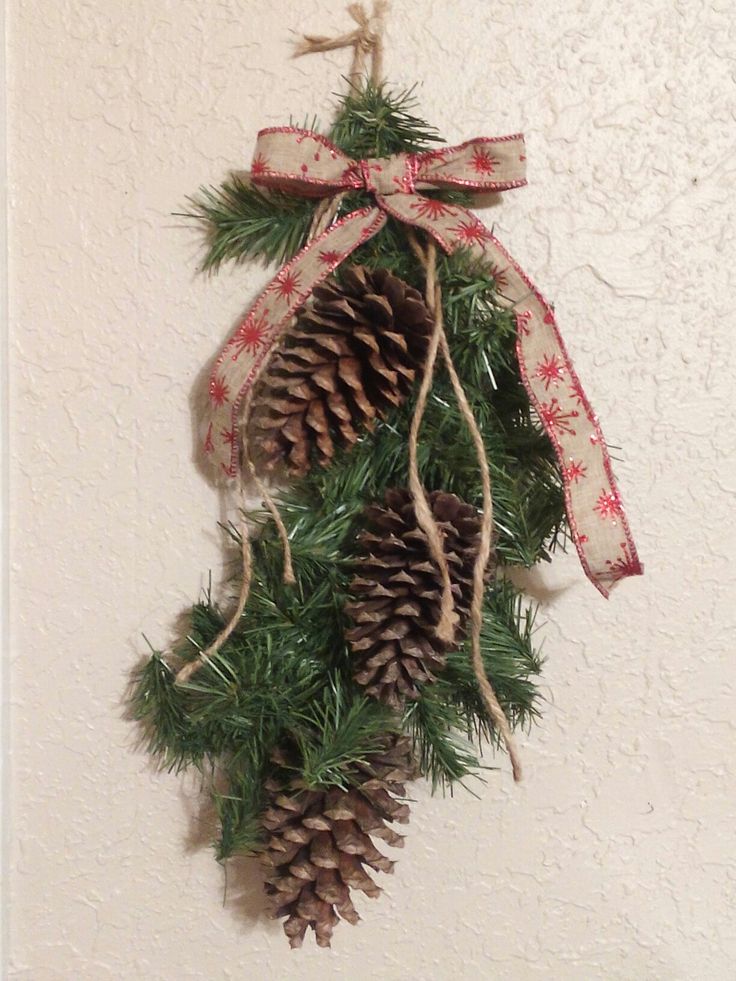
(397, 593)
(354, 352)
(320, 842)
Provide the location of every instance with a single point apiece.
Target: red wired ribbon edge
(305, 163)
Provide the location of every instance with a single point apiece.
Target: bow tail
(598, 525)
(248, 349)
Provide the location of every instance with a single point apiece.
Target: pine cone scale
(395, 602)
(353, 354)
(328, 838)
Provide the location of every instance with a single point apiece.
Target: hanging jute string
(425, 518)
(433, 297)
(366, 41)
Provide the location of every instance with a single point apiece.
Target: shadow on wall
(243, 878)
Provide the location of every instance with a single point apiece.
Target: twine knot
(366, 41)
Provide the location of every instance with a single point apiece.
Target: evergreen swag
(279, 704)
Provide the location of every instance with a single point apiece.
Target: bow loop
(308, 164)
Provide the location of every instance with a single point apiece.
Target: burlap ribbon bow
(305, 163)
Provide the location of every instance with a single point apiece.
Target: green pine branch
(342, 730)
(372, 121)
(443, 755)
(158, 707)
(239, 808)
(242, 221)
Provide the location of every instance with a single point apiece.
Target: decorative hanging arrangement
(421, 426)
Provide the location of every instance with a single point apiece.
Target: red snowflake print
(435, 156)
(498, 276)
(249, 336)
(626, 565)
(329, 257)
(576, 392)
(259, 165)
(432, 209)
(208, 444)
(228, 436)
(471, 232)
(555, 418)
(583, 539)
(575, 471)
(219, 392)
(523, 320)
(551, 370)
(608, 505)
(287, 283)
(482, 162)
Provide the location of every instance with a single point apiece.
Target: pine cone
(354, 352)
(397, 593)
(321, 843)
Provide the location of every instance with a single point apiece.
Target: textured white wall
(614, 860)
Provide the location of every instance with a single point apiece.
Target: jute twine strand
(448, 618)
(248, 467)
(501, 723)
(366, 41)
(191, 667)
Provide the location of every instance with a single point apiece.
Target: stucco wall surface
(614, 859)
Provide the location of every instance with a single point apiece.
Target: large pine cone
(354, 352)
(320, 842)
(397, 593)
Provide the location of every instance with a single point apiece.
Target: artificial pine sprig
(373, 121)
(239, 804)
(338, 732)
(243, 221)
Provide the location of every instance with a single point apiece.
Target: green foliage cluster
(286, 672)
(244, 222)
